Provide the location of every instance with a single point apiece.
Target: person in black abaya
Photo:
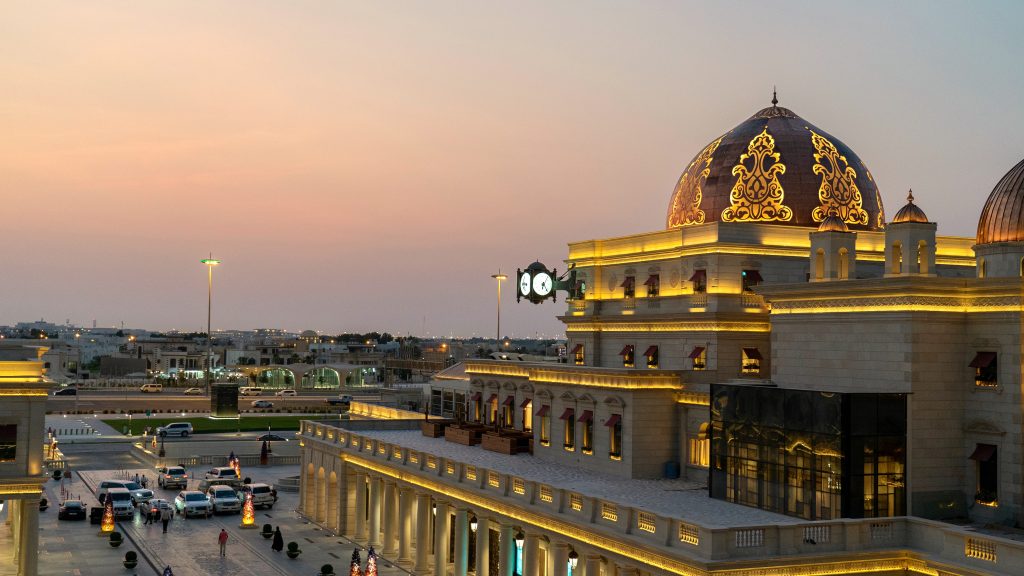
(278, 544)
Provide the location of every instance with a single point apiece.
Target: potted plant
(43, 504)
(115, 539)
(327, 570)
(267, 531)
(57, 474)
(293, 550)
(131, 559)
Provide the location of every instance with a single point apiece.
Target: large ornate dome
(1002, 218)
(776, 167)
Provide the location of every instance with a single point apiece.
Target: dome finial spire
(775, 97)
(910, 196)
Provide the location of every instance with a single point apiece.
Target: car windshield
(260, 489)
(194, 497)
(132, 485)
(75, 504)
(119, 496)
(224, 493)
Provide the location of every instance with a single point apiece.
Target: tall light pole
(210, 263)
(499, 277)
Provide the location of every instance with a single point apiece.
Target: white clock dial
(524, 284)
(542, 284)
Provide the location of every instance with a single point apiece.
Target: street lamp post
(499, 277)
(210, 263)
(78, 368)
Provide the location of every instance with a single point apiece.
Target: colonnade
(23, 519)
(409, 525)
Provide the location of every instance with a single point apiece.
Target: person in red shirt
(223, 540)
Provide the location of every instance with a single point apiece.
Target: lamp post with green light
(210, 263)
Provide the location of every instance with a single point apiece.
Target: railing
(929, 539)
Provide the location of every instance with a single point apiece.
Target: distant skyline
(368, 166)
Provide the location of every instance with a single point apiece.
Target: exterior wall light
(574, 559)
(520, 538)
(473, 524)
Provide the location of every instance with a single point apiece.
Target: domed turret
(776, 168)
(910, 212)
(1000, 248)
(833, 223)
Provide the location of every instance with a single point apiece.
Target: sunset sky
(369, 165)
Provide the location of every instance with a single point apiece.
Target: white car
(286, 392)
(194, 391)
(183, 429)
(121, 501)
(224, 499)
(192, 503)
(262, 404)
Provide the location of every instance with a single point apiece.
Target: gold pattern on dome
(838, 189)
(757, 195)
(685, 207)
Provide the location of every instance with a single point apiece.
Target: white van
(250, 391)
(152, 388)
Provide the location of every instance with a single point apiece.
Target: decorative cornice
(617, 378)
(670, 326)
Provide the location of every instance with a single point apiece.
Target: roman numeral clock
(538, 284)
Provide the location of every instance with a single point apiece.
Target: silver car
(192, 503)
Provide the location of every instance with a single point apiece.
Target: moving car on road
(151, 388)
(71, 510)
(221, 472)
(66, 392)
(171, 477)
(224, 499)
(343, 400)
(194, 391)
(286, 392)
(192, 503)
(183, 429)
(250, 391)
(262, 404)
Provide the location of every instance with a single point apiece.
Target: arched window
(981, 268)
(897, 258)
(819, 264)
(922, 257)
(844, 264)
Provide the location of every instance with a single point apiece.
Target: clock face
(524, 284)
(542, 284)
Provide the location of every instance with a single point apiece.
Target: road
(93, 400)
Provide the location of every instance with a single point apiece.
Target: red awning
(983, 452)
(753, 353)
(628, 349)
(697, 351)
(544, 410)
(652, 281)
(613, 420)
(492, 398)
(699, 276)
(628, 282)
(753, 275)
(568, 414)
(509, 401)
(587, 416)
(983, 360)
(577, 349)
(651, 351)
(476, 396)
(526, 403)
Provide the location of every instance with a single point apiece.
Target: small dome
(910, 212)
(306, 334)
(1002, 218)
(833, 223)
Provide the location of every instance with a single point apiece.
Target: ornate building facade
(782, 381)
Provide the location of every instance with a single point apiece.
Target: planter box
(434, 428)
(505, 443)
(465, 435)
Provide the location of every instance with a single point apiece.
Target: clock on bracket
(543, 283)
(524, 284)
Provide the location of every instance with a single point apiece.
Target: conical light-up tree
(371, 562)
(248, 513)
(107, 525)
(356, 569)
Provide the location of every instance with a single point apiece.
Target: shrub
(326, 570)
(131, 556)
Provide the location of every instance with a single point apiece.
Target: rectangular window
(507, 412)
(986, 461)
(627, 354)
(609, 512)
(576, 502)
(492, 405)
(751, 361)
(646, 522)
(545, 425)
(478, 407)
(587, 420)
(569, 429)
(614, 424)
(985, 369)
(578, 354)
(653, 284)
(8, 442)
(628, 287)
(700, 452)
(545, 493)
(527, 407)
(751, 278)
(699, 281)
(519, 486)
(699, 356)
(652, 356)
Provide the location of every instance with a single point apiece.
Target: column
(483, 545)
(28, 525)
(592, 565)
(531, 554)
(405, 526)
(560, 554)
(506, 550)
(376, 485)
(390, 519)
(628, 571)
(422, 533)
(16, 520)
(360, 524)
(461, 542)
(442, 525)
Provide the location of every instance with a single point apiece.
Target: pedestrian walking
(145, 513)
(165, 517)
(223, 540)
(145, 481)
(136, 477)
(278, 544)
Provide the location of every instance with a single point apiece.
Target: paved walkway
(190, 545)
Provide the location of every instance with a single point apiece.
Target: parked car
(159, 504)
(66, 392)
(262, 404)
(71, 510)
(286, 392)
(224, 499)
(194, 391)
(151, 388)
(139, 494)
(183, 429)
(221, 472)
(171, 477)
(272, 438)
(192, 503)
(121, 500)
(262, 494)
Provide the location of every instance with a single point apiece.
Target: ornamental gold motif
(838, 189)
(685, 207)
(757, 194)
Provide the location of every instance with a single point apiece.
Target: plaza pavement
(190, 545)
